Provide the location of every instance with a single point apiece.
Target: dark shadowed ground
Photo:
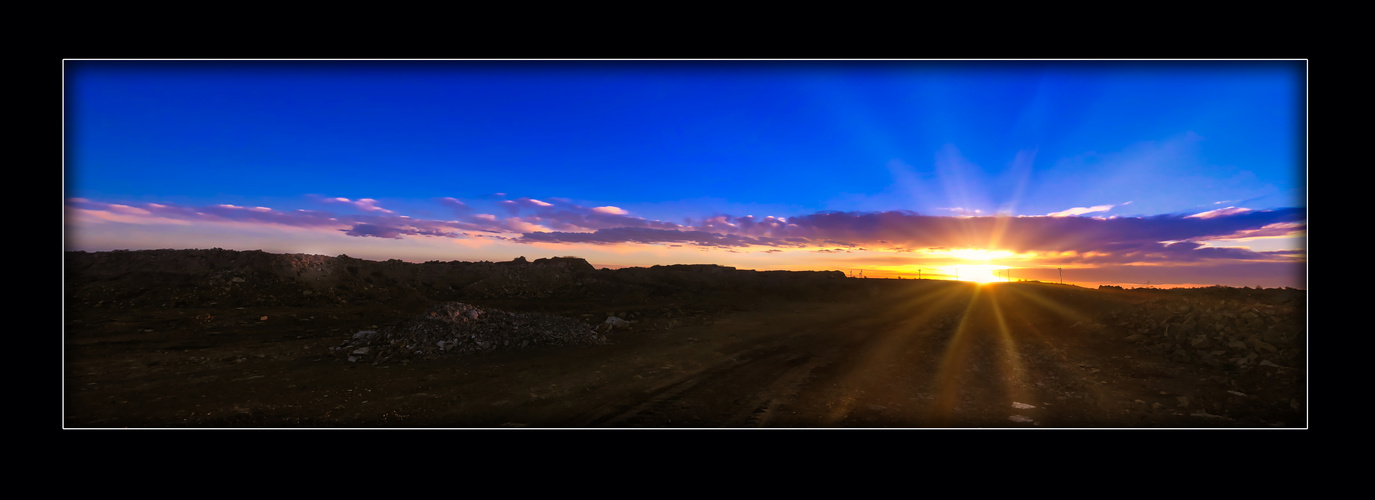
(222, 339)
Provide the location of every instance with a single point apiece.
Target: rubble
(452, 328)
(1235, 329)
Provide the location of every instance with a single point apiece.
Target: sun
(978, 273)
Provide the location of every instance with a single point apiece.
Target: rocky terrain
(220, 338)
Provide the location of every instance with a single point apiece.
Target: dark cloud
(366, 230)
(1086, 239)
(903, 229)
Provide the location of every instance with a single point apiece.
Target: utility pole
(1062, 274)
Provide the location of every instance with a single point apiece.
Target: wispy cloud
(651, 236)
(1081, 211)
(455, 204)
(1220, 212)
(364, 204)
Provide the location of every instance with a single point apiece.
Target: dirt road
(908, 354)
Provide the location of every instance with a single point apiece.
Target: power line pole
(1062, 274)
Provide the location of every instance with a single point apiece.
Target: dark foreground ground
(171, 339)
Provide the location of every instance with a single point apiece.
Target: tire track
(745, 386)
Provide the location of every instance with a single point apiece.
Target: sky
(1132, 173)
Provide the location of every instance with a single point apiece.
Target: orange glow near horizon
(978, 273)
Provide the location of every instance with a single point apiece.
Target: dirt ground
(883, 354)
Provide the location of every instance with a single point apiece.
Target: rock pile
(455, 328)
(1233, 334)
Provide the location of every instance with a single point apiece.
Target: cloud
(1081, 211)
(380, 224)
(455, 204)
(1075, 238)
(1019, 234)
(395, 231)
(1220, 212)
(964, 212)
(364, 230)
(1065, 236)
(566, 216)
(364, 204)
(651, 236)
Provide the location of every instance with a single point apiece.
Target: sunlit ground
(951, 346)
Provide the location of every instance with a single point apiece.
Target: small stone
(1019, 418)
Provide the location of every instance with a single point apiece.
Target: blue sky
(487, 160)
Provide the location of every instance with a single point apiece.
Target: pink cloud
(365, 204)
(1080, 211)
(1220, 212)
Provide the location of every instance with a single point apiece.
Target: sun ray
(952, 363)
(1016, 374)
(916, 312)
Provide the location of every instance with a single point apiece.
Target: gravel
(452, 328)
